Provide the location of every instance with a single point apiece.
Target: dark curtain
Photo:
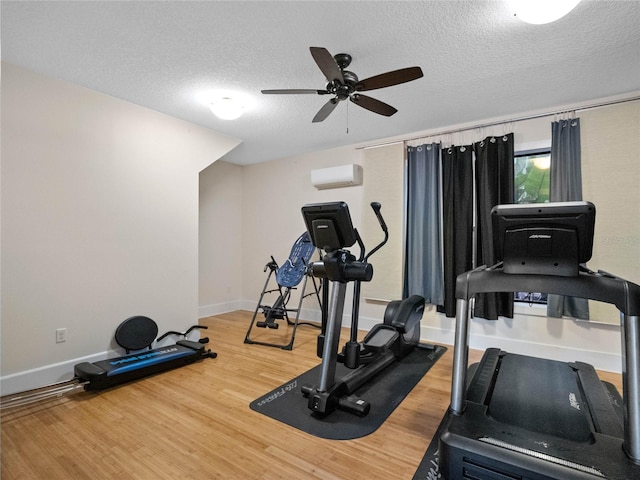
(457, 218)
(565, 184)
(423, 259)
(494, 186)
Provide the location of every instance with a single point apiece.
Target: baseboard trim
(63, 371)
(220, 308)
(607, 361)
(46, 375)
(308, 315)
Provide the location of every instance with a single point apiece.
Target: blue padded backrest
(292, 271)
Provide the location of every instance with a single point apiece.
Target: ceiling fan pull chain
(347, 118)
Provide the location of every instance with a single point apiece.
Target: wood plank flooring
(195, 422)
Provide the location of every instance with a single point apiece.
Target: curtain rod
(502, 122)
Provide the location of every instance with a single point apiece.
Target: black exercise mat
(385, 392)
(428, 468)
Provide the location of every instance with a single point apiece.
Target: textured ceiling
(479, 61)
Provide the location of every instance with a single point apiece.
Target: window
(531, 171)
(531, 183)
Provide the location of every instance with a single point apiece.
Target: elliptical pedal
(380, 339)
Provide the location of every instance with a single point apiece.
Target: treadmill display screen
(543, 238)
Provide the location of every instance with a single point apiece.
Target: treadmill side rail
(631, 384)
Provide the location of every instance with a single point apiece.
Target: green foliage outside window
(532, 178)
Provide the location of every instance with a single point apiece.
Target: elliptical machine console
(331, 230)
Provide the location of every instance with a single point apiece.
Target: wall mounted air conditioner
(342, 176)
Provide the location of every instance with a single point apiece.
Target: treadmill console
(543, 238)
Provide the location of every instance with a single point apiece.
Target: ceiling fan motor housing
(343, 90)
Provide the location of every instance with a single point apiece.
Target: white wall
(611, 173)
(273, 193)
(221, 199)
(99, 222)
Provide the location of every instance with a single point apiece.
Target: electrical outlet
(61, 335)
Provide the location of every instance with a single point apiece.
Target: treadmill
(520, 417)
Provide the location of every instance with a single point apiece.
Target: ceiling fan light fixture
(227, 108)
(539, 12)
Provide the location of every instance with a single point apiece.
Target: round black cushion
(136, 333)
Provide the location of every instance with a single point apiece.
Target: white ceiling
(479, 61)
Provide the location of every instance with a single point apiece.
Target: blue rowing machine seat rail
(138, 333)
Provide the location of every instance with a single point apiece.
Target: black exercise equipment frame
(283, 296)
(331, 230)
(137, 333)
(600, 286)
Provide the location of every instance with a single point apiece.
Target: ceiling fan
(344, 84)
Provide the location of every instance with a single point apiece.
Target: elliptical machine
(331, 230)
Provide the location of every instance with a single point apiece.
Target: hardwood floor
(195, 422)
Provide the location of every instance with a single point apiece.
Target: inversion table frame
(288, 276)
(288, 345)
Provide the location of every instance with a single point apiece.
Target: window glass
(531, 183)
(532, 177)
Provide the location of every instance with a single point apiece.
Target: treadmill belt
(541, 396)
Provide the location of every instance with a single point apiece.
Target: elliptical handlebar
(376, 209)
(376, 206)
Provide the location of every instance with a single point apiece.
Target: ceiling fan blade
(295, 91)
(327, 64)
(390, 78)
(326, 109)
(372, 104)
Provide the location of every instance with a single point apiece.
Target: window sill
(535, 310)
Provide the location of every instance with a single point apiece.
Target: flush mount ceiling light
(226, 107)
(225, 104)
(539, 12)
